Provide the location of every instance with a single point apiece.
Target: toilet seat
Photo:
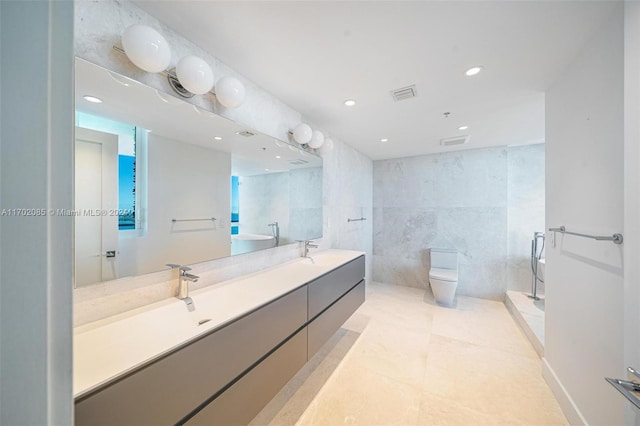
(443, 274)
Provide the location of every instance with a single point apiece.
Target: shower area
(525, 296)
(527, 307)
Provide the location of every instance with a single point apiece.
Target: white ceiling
(315, 54)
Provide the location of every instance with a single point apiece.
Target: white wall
(36, 164)
(632, 194)
(184, 181)
(584, 192)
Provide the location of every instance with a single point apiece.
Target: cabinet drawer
(244, 400)
(168, 389)
(327, 289)
(324, 326)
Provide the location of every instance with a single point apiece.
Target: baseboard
(567, 405)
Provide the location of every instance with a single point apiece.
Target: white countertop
(106, 349)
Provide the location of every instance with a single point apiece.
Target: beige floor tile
(508, 387)
(482, 322)
(436, 410)
(357, 396)
(399, 355)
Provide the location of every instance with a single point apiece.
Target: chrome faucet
(308, 244)
(184, 278)
(275, 230)
(183, 284)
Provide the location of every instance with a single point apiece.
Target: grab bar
(616, 238)
(192, 220)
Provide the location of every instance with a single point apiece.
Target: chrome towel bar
(356, 220)
(192, 220)
(616, 238)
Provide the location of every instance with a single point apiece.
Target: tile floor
(403, 360)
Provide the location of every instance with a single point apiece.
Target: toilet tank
(444, 259)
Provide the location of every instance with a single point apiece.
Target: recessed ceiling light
(266, 170)
(92, 99)
(473, 70)
(350, 102)
(218, 138)
(463, 127)
(277, 156)
(384, 140)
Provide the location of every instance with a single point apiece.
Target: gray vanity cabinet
(229, 375)
(330, 287)
(242, 401)
(167, 390)
(325, 325)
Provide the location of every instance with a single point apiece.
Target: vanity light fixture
(384, 140)
(350, 102)
(473, 70)
(326, 147)
(230, 92)
(317, 138)
(149, 51)
(146, 48)
(92, 99)
(463, 127)
(302, 133)
(195, 75)
(218, 138)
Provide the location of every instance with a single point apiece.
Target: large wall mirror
(158, 180)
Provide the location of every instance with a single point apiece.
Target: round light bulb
(350, 102)
(302, 133)
(146, 48)
(384, 140)
(317, 138)
(195, 74)
(326, 147)
(230, 92)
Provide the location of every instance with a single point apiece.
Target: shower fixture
(536, 254)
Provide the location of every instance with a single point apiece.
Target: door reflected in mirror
(160, 181)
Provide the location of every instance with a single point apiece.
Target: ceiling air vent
(245, 133)
(404, 93)
(458, 140)
(298, 162)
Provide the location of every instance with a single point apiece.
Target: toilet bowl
(443, 275)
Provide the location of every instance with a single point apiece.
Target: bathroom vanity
(222, 363)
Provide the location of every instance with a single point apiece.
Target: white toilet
(443, 275)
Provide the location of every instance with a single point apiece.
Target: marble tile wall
(457, 200)
(305, 203)
(264, 199)
(525, 211)
(98, 25)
